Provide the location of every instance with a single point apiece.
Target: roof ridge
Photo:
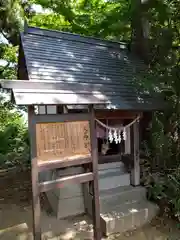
(73, 37)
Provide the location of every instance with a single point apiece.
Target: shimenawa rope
(115, 128)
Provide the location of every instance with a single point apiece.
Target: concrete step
(113, 179)
(114, 165)
(111, 170)
(125, 217)
(118, 196)
(122, 195)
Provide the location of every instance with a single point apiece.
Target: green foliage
(51, 21)
(11, 19)
(14, 147)
(166, 191)
(94, 18)
(12, 15)
(157, 190)
(9, 56)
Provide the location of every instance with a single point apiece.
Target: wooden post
(34, 175)
(127, 144)
(65, 109)
(135, 172)
(95, 187)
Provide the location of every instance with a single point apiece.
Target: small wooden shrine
(88, 82)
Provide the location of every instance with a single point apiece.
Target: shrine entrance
(66, 140)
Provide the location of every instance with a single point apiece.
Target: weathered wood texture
(135, 173)
(58, 183)
(55, 141)
(95, 185)
(61, 140)
(116, 114)
(62, 163)
(55, 118)
(35, 181)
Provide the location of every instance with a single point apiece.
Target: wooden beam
(43, 118)
(61, 163)
(109, 158)
(58, 183)
(116, 114)
(95, 185)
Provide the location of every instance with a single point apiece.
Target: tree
(99, 18)
(14, 149)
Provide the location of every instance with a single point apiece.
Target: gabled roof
(65, 68)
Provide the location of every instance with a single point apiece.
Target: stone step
(108, 180)
(120, 195)
(117, 196)
(111, 170)
(115, 165)
(125, 217)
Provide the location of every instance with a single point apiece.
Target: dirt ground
(16, 218)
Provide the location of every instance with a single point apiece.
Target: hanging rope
(117, 133)
(115, 128)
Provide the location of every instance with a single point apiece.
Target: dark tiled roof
(84, 66)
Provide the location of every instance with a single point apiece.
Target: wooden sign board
(62, 140)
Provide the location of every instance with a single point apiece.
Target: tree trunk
(140, 30)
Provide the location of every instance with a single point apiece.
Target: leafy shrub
(14, 150)
(160, 169)
(166, 190)
(14, 143)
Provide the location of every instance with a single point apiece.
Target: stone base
(127, 217)
(68, 200)
(123, 209)
(73, 199)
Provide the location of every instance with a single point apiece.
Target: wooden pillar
(35, 178)
(65, 109)
(127, 144)
(135, 172)
(95, 185)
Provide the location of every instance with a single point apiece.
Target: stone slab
(68, 190)
(107, 166)
(70, 207)
(113, 180)
(122, 195)
(126, 217)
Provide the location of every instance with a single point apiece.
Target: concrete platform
(68, 200)
(122, 195)
(125, 217)
(71, 200)
(112, 175)
(123, 209)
